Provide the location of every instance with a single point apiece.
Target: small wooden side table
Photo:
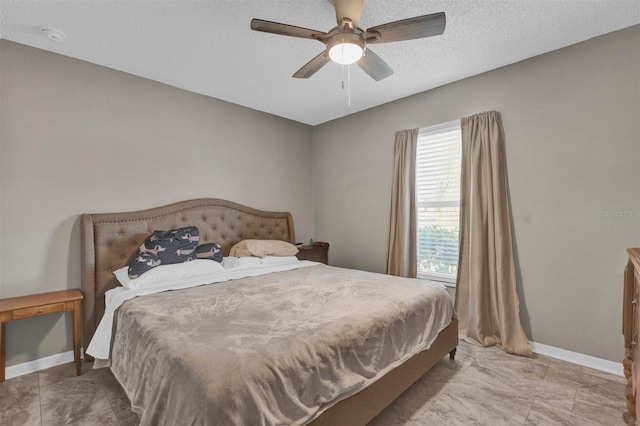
(318, 252)
(16, 308)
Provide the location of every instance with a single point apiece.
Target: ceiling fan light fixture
(345, 47)
(346, 53)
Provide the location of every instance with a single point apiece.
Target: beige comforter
(277, 349)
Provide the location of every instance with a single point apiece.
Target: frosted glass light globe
(345, 53)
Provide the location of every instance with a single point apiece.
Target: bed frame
(110, 240)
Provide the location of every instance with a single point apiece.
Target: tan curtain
(486, 299)
(401, 255)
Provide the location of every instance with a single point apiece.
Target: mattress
(276, 348)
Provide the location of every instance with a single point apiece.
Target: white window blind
(438, 165)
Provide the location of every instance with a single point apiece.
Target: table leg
(76, 336)
(2, 353)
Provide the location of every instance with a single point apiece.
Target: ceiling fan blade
(409, 29)
(286, 30)
(351, 9)
(311, 67)
(373, 65)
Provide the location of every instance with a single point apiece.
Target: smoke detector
(52, 34)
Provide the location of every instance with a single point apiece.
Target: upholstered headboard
(110, 240)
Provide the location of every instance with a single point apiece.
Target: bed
(109, 241)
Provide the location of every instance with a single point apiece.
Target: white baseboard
(550, 351)
(40, 364)
(578, 358)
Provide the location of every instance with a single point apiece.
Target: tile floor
(481, 387)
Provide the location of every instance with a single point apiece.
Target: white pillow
(240, 262)
(278, 260)
(173, 272)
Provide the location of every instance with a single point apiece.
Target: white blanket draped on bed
(278, 348)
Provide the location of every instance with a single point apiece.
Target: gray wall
(571, 120)
(76, 138)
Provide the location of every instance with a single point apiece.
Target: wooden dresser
(630, 327)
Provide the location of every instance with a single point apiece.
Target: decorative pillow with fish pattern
(210, 251)
(165, 248)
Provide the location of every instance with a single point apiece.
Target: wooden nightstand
(16, 308)
(318, 252)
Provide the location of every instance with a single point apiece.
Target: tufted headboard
(110, 240)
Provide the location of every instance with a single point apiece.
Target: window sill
(439, 280)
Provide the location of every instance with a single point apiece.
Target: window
(438, 169)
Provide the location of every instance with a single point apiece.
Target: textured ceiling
(207, 47)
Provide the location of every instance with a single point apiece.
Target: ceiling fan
(347, 43)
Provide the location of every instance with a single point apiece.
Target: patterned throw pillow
(165, 248)
(209, 251)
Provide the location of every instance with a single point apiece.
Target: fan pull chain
(348, 83)
(349, 86)
(342, 62)
(348, 78)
